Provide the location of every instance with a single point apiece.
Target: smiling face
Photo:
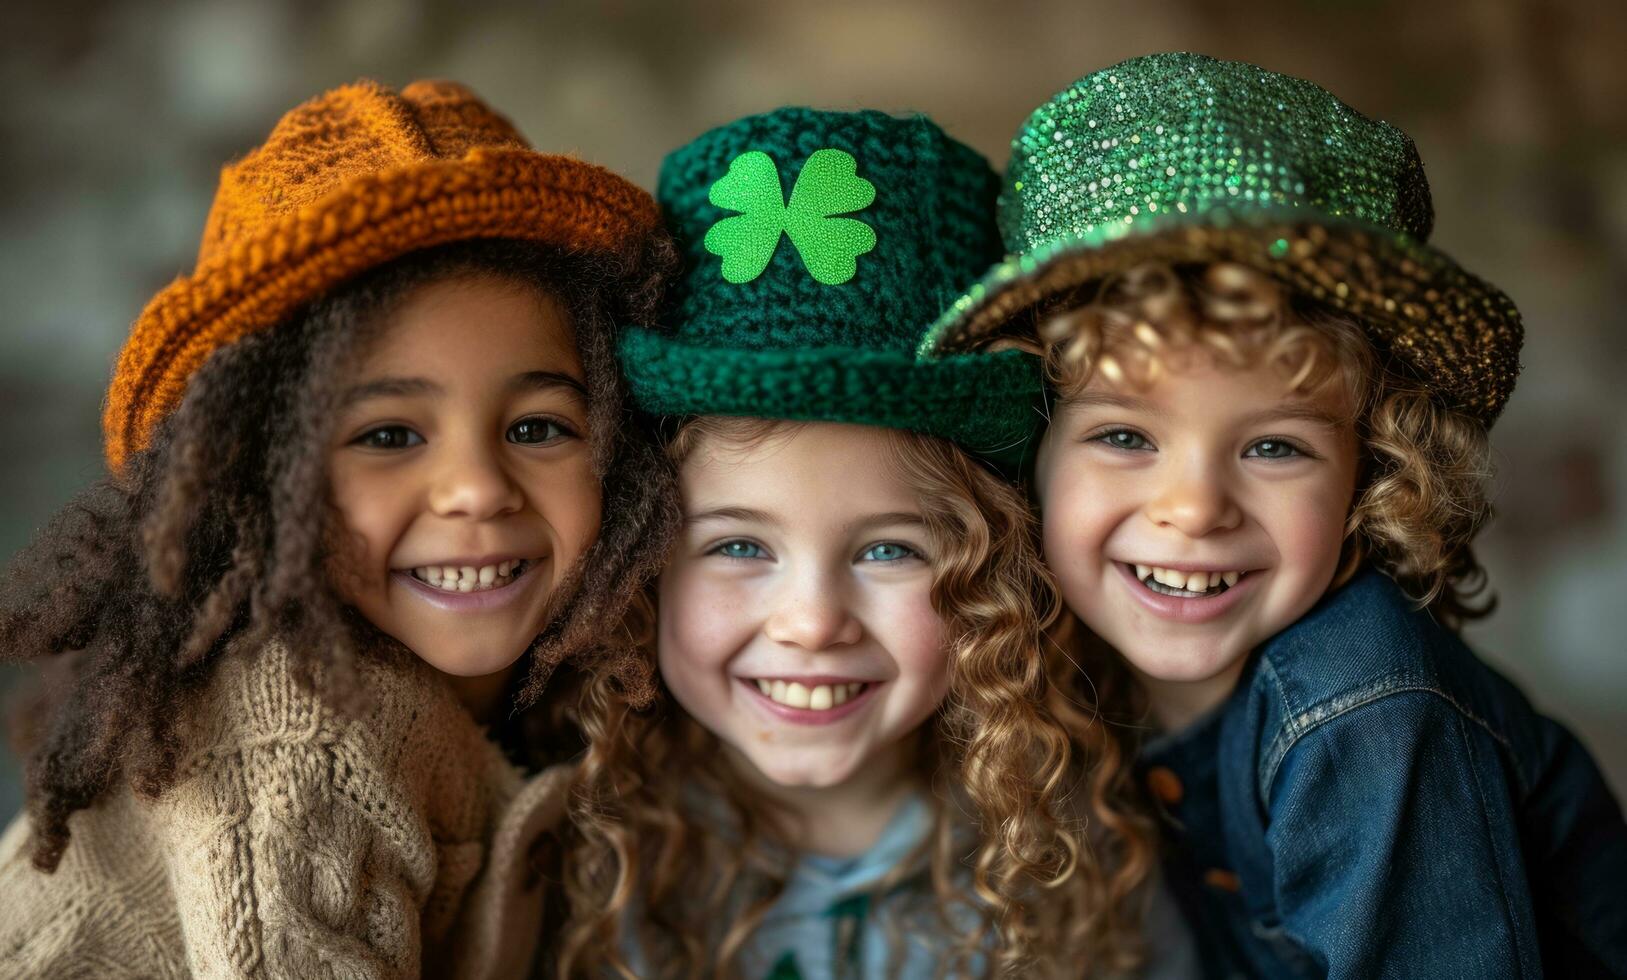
(796, 620)
(1189, 519)
(461, 473)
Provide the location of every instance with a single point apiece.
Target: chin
(803, 777)
(477, 662)
(1179, 666)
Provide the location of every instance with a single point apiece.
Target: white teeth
(1187, 581)
(468, 578)
(821, 697)
(1170, 577)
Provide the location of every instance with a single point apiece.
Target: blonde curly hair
(1033, 839)
(1421, 495)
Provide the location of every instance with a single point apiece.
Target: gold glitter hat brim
(1455, 334)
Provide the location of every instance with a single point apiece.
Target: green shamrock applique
(828, 185)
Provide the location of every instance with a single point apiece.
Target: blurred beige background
(114, 117)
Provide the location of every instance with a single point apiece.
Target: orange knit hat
(347, 181)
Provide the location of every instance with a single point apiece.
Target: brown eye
(388, 437)
(537, 431)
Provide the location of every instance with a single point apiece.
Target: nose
(1195, 499)
(813, 613)
(472, 482)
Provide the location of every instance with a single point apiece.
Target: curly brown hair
(1421, 496)
(215, 533)
(1056, 860)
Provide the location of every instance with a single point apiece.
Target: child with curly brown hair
(865, 769)
(370, 483)
(1263, 470)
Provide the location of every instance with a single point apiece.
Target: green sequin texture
(1176, 132)
(1180, 158)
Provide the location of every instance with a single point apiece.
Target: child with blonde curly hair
(1263, 471)
(865, 768)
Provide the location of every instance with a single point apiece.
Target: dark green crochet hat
(1179, 158)
(818, 246)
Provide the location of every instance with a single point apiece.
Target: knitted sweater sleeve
(295, 850)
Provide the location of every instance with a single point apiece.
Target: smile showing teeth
(1186, 585)
(471, 578)
(821, 697)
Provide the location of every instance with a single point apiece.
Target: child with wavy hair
(864, 768)
(370, 484)
(1263, 471)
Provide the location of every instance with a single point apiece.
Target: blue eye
(388, 437)
(1273, 449)
(738, 549)
(889, 551)
(1126, 439)
(536, 430)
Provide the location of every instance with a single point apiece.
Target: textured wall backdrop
(114, 117)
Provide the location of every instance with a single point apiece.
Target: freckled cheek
(702, 625)
(914, 637)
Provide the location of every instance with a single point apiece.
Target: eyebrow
(889, 519)
(746, 514)
(1283, 413)
(418, 387)
(547, 380)
(390, 388)
(754, 516)
(1299, 413)
(1106, 399)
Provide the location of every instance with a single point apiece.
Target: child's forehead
(447, 322)
(770, 445)
(821, 485)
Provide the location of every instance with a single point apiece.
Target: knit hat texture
(1179, 158)
(818, 246)
(345, 182)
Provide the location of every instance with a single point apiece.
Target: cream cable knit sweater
(297, 843)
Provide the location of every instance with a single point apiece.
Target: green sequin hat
(818, 246)
(1180, 158)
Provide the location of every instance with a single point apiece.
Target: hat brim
(489, 193)
(1458, 335)
(982, 402)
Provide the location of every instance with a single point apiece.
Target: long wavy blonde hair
(1031, 839)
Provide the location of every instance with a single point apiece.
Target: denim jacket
(1374, 801)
